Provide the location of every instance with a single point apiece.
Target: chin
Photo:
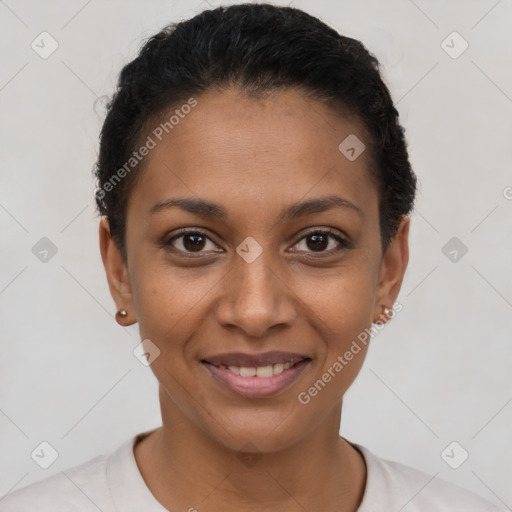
(255, 431)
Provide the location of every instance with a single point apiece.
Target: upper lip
(253, 360)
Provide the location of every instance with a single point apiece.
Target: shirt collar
(131, 494)
(129, 490)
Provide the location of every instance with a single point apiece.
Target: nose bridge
(255, 298)
(256, 282)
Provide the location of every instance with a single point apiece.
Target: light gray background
(439, 372)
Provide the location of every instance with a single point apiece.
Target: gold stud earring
(383, 318)
(122, 313)
(387, 311)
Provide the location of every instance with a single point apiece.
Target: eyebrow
(208, 209)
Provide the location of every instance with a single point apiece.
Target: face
(275, 258)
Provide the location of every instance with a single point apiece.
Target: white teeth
(278, 368)
(264, 371)
(260, 371)
(247, 372)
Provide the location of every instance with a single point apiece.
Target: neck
(185, 470)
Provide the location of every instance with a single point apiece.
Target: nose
(256, 298)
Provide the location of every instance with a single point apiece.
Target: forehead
(254, 153)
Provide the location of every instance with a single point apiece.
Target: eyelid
(324, 229)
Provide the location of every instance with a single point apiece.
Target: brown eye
(193, 242)
(190, 242)
(320, 242)
(317, 241)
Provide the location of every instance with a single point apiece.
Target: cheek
(167, 299)
(343, 308)
(344, 299)
(343, 322)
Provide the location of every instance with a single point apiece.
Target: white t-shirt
(113, 483)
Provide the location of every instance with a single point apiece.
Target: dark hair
(259, 48)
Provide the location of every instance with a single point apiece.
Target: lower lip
(257, 387)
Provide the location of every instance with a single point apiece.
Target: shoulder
(82, 487)
(405, 488)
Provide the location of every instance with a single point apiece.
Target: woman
(254, 190)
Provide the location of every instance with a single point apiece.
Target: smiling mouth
(268, 370)
(256, 376)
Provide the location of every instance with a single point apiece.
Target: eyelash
(344, 244)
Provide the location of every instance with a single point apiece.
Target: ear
(394, 263)
(117, 274)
